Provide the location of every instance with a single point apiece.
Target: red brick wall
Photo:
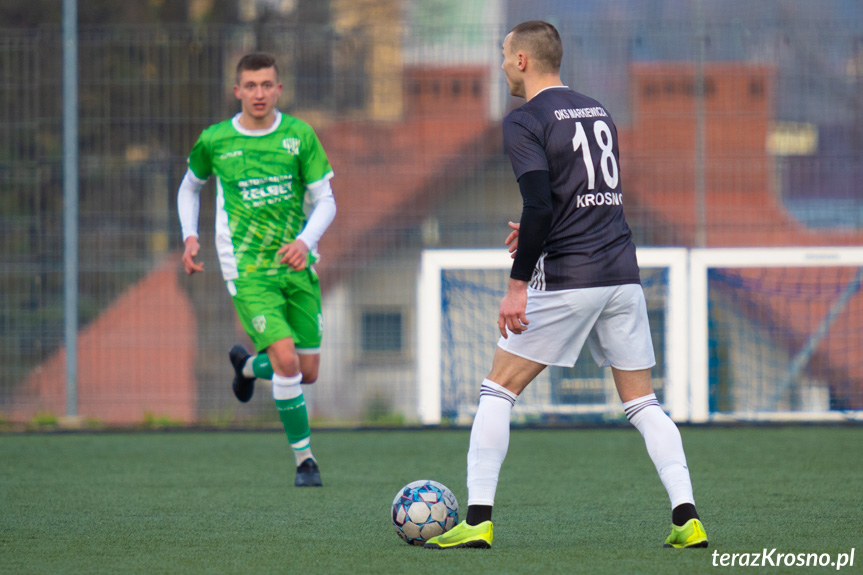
(136, 359)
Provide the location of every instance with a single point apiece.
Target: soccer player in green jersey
(273, 205)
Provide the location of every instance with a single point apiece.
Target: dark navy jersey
(574, 138)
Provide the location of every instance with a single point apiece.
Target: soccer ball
(423, 509)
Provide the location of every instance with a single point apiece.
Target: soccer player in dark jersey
(574, 280)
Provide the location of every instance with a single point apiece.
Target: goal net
(754, 334)
(459, 295)
(776, 334)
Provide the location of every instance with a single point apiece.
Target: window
(381, 331)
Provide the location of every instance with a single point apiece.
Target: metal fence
(731, 135)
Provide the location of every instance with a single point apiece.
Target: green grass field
(569, 501)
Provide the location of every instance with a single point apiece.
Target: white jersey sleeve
(189, 204)
(320, 195)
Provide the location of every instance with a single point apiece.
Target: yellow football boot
(463, 535)
(688, 536)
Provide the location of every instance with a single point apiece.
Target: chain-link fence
(731, 135)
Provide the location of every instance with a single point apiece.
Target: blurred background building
(741, 125)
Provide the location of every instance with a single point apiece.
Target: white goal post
(430, 317)
(746, 334)
(701, 261)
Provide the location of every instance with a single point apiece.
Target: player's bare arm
(512, 309)
(189, 255)
(294, 254)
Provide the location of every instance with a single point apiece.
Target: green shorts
(286, 305)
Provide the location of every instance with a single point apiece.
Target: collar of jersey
(549, 88)
(235, 121)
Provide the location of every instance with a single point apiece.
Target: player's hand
(512, 309)
(189, 255)
(512, 238)
(295, 254)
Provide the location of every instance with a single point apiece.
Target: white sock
(489, 441)
(289, 388)
(248, 369)
(303, 450)
(664, 446)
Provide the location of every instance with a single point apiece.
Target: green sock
(261, 366)
(295, 418)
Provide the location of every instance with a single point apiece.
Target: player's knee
(287, 365)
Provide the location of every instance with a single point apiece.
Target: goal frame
(429, 336)
(701, 260)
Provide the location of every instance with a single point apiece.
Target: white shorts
(613, 321)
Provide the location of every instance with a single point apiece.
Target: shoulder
(587, 101)
(295, 129)
(543, 109)
(586, 107)
(295, 125)
(224, 125)
(520, 116)
(218, 130)
(520, 122)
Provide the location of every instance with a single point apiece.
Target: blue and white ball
(424, 509)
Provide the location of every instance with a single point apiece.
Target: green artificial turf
(569, 501)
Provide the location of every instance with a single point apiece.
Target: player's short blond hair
(541, 41)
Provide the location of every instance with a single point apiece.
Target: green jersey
(261, 181)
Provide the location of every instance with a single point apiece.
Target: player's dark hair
(540, 40)
(256, 61)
